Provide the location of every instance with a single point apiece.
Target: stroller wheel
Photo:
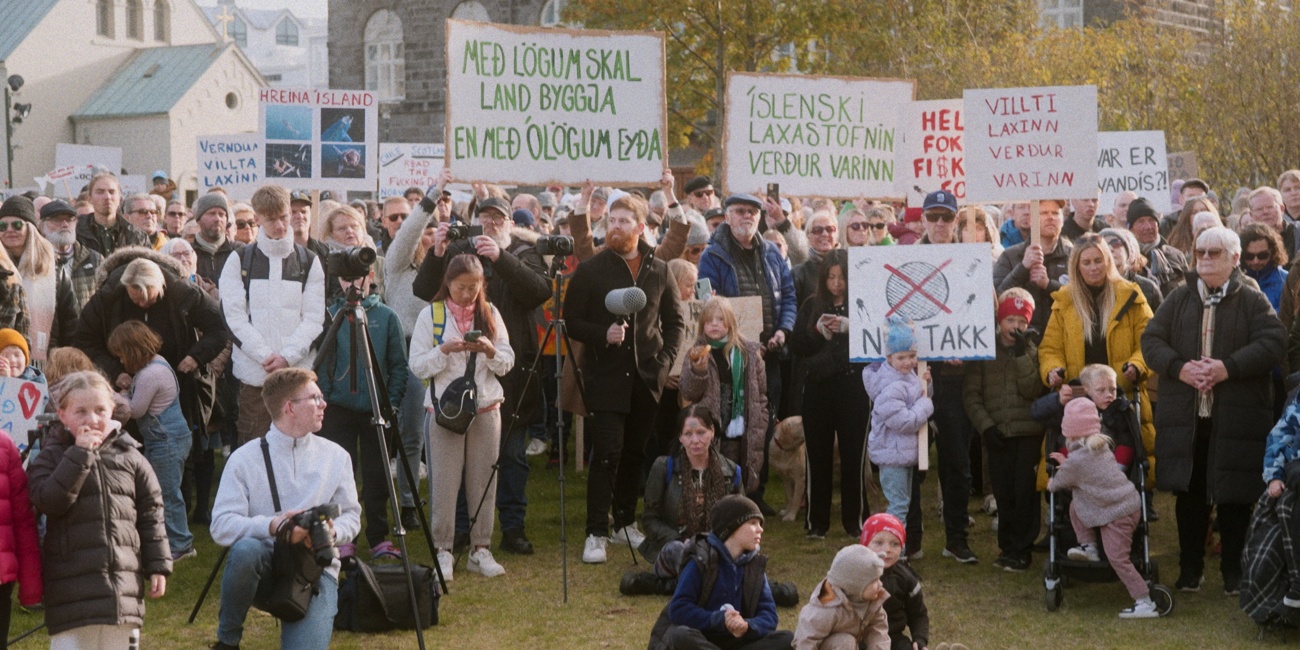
(1053, 597)
(1164, 599)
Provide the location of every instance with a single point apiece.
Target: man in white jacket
(273, 296)
(309, 471)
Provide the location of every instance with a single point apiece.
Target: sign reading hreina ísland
(535, 106)
(816, 136)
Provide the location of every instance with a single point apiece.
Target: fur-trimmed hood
(113, 266)
(525, 235)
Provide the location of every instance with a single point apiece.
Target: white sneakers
(593, 552)
(536, 447)
(482, 562)
(447, 563)
(1145, 608)
(628, 532)
(1084, 553)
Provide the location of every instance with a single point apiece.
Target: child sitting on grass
(900, 407)
(1103, 498)
(847, 608)
(884, 534)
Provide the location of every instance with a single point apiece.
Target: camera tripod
(362, 349)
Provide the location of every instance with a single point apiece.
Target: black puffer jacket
(1250, 340)
(89, 498)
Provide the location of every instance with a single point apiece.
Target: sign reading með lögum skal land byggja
(944, 290)
(540, 106)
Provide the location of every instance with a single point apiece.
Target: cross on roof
(225, 18)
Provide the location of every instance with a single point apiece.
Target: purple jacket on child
(899, 408)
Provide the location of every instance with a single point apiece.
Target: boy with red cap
(905, 607)
(998, 395)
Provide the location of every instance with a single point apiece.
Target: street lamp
(19, 112)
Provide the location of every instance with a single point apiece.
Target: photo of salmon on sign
(932, 153)
(1031, 143)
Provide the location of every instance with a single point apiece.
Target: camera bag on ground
(374, 598)
(287, 592)
(458, 405)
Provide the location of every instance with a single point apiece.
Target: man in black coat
(1214, 342)
(624, 371)
(517, 285)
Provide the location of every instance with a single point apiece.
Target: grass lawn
(975, 604)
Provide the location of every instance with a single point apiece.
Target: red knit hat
(912, 215)
(1015, 306)
(883, 521)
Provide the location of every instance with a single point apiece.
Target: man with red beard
(625, 363)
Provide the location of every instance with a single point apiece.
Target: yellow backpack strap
(438, 311)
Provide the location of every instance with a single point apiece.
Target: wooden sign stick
(1035, 224)
(923, 435)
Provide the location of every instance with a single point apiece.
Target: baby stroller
(1059, 567)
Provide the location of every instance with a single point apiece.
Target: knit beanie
(1015, 306)
(209, 201)
(1139, 208)
(699, 234)
(883, 521)
(900, 338)
(10, 337)
(1081, 419)
(853, 568)
(523, 217)
(730, 512)
(19, 206)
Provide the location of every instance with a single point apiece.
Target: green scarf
(737, 380)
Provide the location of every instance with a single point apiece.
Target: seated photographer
(309, 471)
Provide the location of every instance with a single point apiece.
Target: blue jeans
(167, 441)
(412, 426)
(896, 483)
(249, 560)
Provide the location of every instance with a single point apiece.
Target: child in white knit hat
(847, 608)
(1102, 498)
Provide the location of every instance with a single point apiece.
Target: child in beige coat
(847, 608)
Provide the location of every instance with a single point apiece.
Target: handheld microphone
(625, 302)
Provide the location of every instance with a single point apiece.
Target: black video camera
(351, 263)
(315, 522)
(458, 230)
(555, 245)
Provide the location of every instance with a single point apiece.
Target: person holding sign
(1038, 267)
(901, 406)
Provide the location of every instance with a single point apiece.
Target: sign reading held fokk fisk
(944, 290)
(931, 154)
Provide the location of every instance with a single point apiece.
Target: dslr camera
(351, 263)
(554, 245)
(315, 522)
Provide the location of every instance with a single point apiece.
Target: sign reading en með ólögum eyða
(931, 155)
(944, 290)
(1133, 161)
(1031, 143)
(232, 162)
(405, 165)
(540, 106)
(320, 139)
(816, 136)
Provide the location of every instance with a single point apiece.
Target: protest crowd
(1142, 370)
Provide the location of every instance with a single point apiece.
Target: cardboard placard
(1031, 143)
(944, 290)
(232, 162)
(1133, 161)
(85, 158)
(403, 165)
(931, 153)
(543, 106)
(1183, 166)
(749, 317)
(20, 402)
(320, 139)
(815, 135)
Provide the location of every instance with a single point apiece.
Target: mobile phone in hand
(703, 289)
(473, 335)
(774, 191)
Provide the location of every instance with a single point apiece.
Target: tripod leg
(221, 559)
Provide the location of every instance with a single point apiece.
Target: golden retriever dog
(785, 457)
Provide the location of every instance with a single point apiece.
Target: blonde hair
(82, 380)
(271, 202)
(719, 306)
(1097, 442)
(65, 361)
(1088, 312)
(1093, 372)
(37, 260)
(143, 273)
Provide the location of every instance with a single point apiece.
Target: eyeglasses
(934, 217)
(318, 399)
(491, 217)
(12, 225)
(183, 255)
(63, 218)
(1251, 257)
(862, 225)
(1208, 253)
(699, 194)
(145, 211)
(174, 213)
(397, 216)
(822, 230)
(242, 223)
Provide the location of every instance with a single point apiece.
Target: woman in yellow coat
(1076, 337)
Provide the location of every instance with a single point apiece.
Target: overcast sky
(307, 8)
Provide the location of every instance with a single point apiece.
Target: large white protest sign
(540, 106)
(1031, 143)
(931, 154)
(20, 402)
(1133, 161)
(816, 136)
(85, 158)
(320, 139)
(944, 290)
(232, 162)
(403, 165)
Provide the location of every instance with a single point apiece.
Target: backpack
(247, 254)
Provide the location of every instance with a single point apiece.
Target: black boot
(410, 520)
(514, 541)
(645, 583)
